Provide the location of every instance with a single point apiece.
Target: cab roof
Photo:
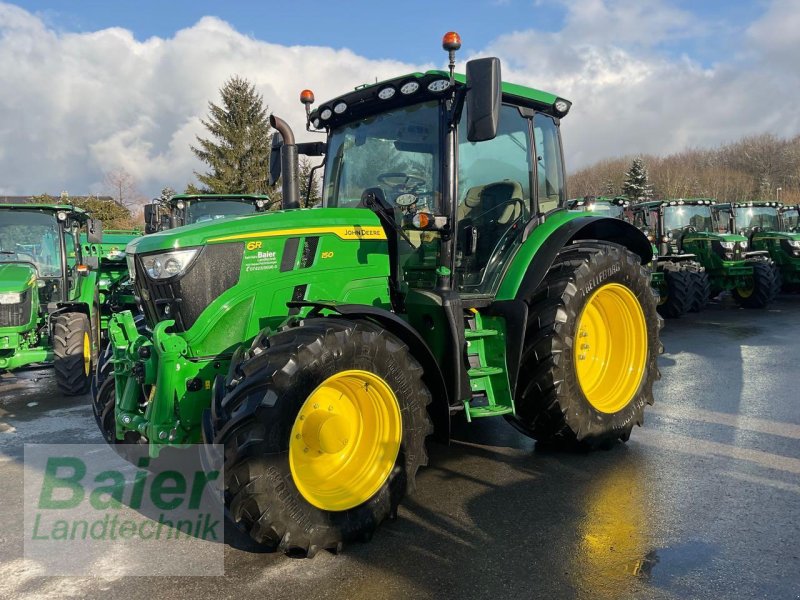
(77, 212)
(364, 100)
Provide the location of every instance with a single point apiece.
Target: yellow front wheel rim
(345, 440)
(610, 347)
(744, 292)
(87, 354)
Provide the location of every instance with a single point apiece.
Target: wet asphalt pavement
(703, 502)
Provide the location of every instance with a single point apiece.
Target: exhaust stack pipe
(290, 187)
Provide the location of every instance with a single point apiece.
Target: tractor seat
(491, 209)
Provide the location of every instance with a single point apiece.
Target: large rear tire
(766, 286)
(323, 427)
(72, 348)
(591, 346)
(680, 294)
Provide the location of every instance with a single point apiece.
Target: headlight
(168, 264)
(743, 245)
(727, 245)
(11, 298)
(794, 243)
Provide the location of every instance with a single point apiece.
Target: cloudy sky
(93, 86)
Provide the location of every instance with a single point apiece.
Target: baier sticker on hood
(257, 257)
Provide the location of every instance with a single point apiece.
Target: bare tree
(121, 186)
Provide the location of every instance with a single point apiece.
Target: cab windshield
(396, 152)
(765, 217)
(685, 216)
(32, 237)
(209, 210)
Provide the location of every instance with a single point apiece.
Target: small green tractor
(769, 230)
(49, 303)
(442, 278)
(696, 227)
(186, 209)
(679, 277)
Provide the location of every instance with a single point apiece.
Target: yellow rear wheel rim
(610, 347)
(345, 440)
(87, 354)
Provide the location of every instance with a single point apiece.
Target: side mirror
(94, 231)
(275, 158)
(150, 218)
(484, 98)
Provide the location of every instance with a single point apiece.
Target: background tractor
(185, 209)
(791, 217)
(695, 226)
(442, 278)
(681, 280)
(49, 304)
(769, 231)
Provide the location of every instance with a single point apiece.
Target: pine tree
(636, 187)
(238, 150)
(309, 184)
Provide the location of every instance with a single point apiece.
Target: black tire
(265, 389)
(134, 447)
(69, 331)
(702, 291)
(550, 404)
(680, 294)
(766, 286)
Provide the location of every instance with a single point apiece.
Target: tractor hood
(346, 223)
(16, 277)
(717, 237)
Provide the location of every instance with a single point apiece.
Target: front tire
(680, 294)
(72, 348)
(296, 403)
(702, 291)
(766, 286)
(591, 346)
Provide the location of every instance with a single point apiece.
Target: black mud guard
(605, 229)
(439, 408)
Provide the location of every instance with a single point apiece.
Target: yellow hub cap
(87, 354)
(744, 292)
(610, 347)
(345, 440)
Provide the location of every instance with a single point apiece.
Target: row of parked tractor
(702, 248)
(62, 277)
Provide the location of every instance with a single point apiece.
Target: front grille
(16, 315)
(215, 270)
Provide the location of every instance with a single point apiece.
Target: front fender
(539, 250)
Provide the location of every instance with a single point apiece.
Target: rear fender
(539, 250)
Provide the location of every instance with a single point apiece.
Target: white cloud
(76, 105)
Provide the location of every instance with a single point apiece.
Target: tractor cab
(670, 224)
(462, 178)
(48, 304)
(601, 205)
(186, 209)
(46, 240)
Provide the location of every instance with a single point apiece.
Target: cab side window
(549, 167)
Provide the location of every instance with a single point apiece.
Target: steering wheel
(400, 181)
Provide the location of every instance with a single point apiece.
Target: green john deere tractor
(186, 209)
(679, 277)
(49, 304)
(113, 283)
(768, 230)
(695, 226)
(442, 278)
